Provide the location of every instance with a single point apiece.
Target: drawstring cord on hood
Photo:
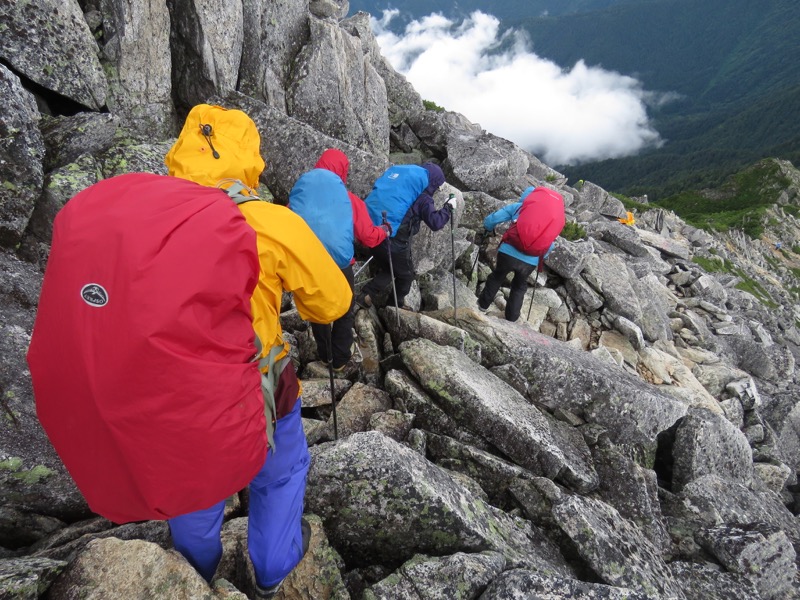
(205, 129)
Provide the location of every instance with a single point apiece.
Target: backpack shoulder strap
(269, 383)
(238, 191)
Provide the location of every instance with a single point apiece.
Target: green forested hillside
(740, 202)
(735, 63)
(695, 48)
(704, 149)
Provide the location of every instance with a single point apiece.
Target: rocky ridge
(634, 437)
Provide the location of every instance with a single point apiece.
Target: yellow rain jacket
(293, 259)
(220, 147)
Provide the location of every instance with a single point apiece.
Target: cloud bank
(563, 116)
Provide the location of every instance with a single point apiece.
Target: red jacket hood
(336, 161)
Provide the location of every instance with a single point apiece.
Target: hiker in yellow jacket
(221, 148)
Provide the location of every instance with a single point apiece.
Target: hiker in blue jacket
(404, 193)
(510, 260)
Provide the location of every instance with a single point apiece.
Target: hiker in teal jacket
(509, 259)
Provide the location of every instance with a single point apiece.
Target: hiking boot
(341, 367)
(271, 591)
(267, 593)
(346, 370)
(364, 300)
(483, 310)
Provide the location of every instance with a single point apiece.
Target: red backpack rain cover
(541, 220)
(141, 349)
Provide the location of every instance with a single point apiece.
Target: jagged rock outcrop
(20, 158)
(336, 91)
(634, 435)
(206, 38)
(50, 43)
(136, 59)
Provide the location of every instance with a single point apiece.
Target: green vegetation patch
(711, 265)
(753, 287)
(573, 232)
(431, 105)
(631, 204)
(747, 284)
(741, 202)
(11, 463)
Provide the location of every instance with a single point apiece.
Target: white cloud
(564, 116)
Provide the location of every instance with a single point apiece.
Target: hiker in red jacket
(336, 216)
(538, 219)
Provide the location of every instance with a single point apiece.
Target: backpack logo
(94, 294)
(394, 175)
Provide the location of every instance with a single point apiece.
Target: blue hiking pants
(274, 537)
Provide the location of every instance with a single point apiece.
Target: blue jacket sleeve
(507, 213)
(435, 219)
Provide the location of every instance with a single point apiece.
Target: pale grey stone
(138, 65)
(21, 153)
(459, 576)
(489, 407)
(390, 490)
(207, 40)
(519, 584)
(133, 569)
(708, 444)
(615, 548)
(759, 552)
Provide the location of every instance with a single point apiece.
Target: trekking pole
(330, 374)
(533, 293)
(475, 262)
(478, 253)
(453, 253)
(362, 267)
(391, 272)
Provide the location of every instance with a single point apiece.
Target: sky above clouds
(564, 114)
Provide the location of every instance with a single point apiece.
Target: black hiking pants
(519, 285)
(382, 281)
(341, 337)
